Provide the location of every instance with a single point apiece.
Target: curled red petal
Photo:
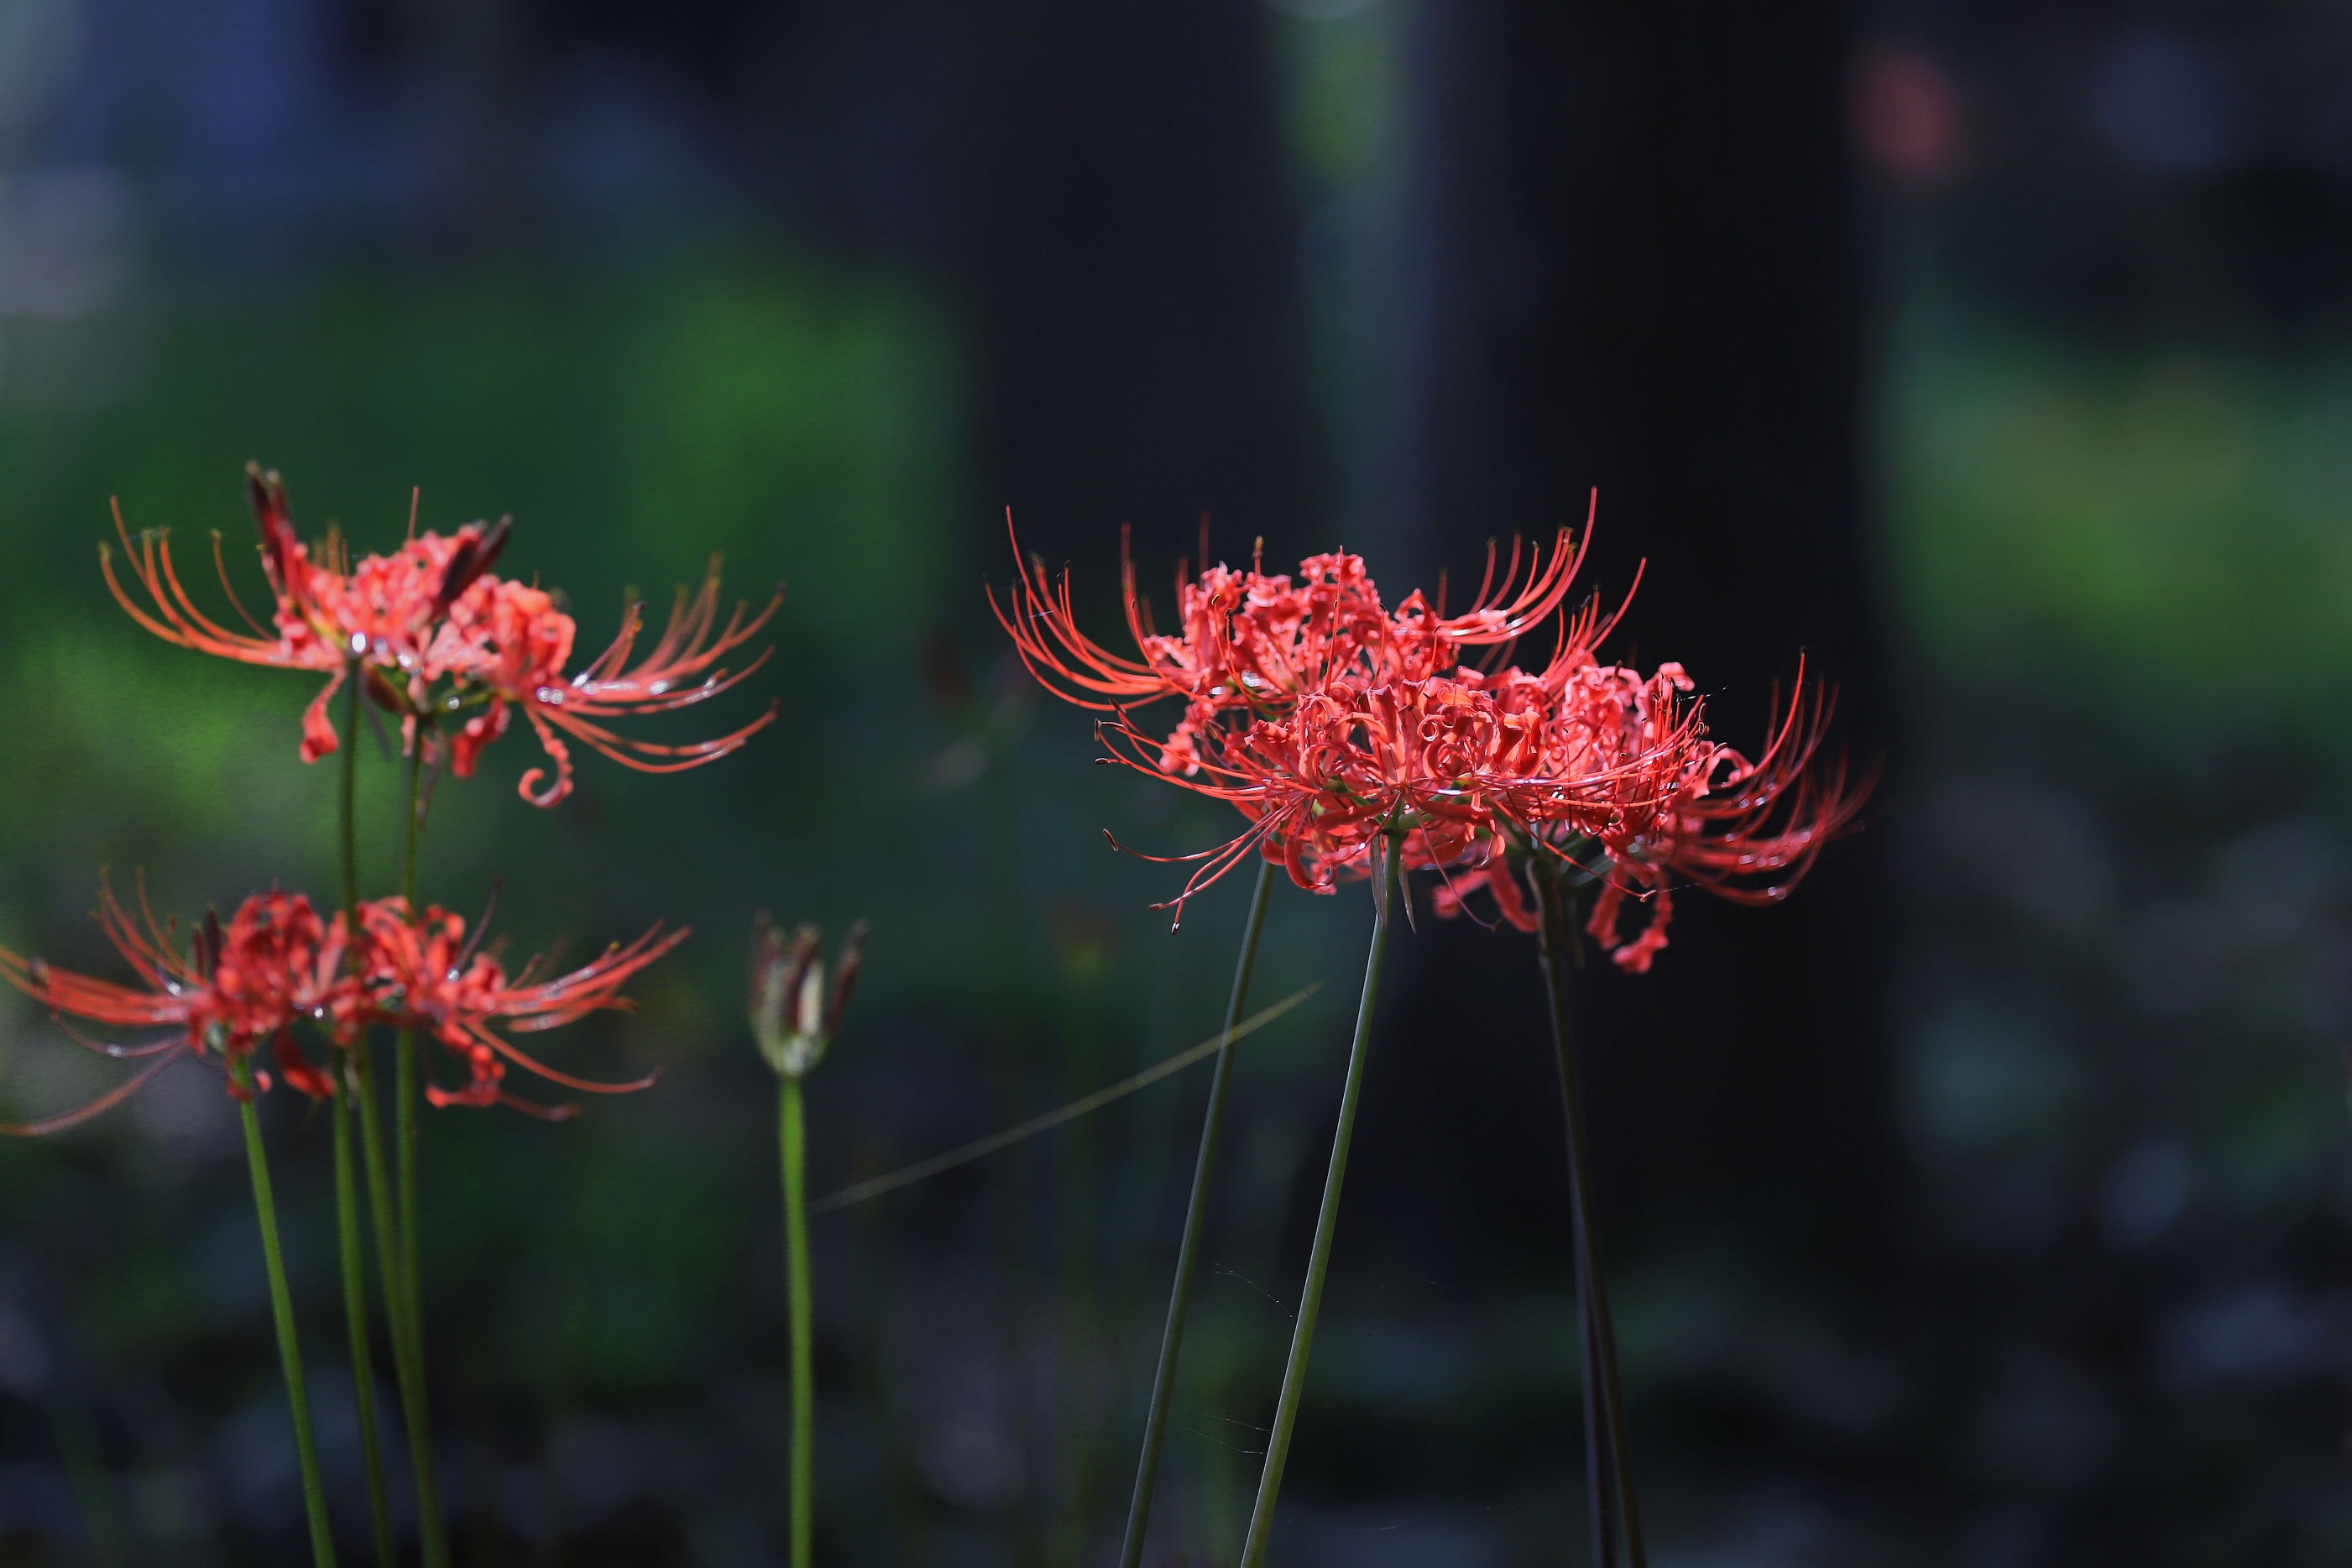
(318, 730)
(300, 1074)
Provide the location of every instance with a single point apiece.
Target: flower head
(385, 612)
(1450, 764)
(1251, 645)
(439, 636)
(1744, 829)
(793, 1015)
(425, 972)
(276, 963)
(1330, 722)
(520, 642)
(232, 989)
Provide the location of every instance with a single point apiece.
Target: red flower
(1452, 762)
(520, 643)
(440, 635)
(276, 962)
(387, 611)
(1253, 645)
(425, 972)
(1689, 810)
(1330, 721)
(1744, 830)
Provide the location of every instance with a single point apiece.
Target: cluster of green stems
(1615, 1517)
(393, 1211)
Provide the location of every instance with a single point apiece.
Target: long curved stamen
(103, 1103)
(534, 1110)
(111, 1051)
(489, 907)
(586, 1086)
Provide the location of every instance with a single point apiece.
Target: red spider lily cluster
(1254, 645)
(276, 963)
(436, 635)
(431, 634)
(1332, 723)
(437, 638)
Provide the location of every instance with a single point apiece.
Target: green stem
(351, 819)
(1608, 1458)
(290, 1352)
(793, 1143)
(404, 1132)
(1179, 1293)
(347, 1228)
(407, 1350)
(404, 1098)
(1318, 1256)
(346, 1201)
(403, 1273)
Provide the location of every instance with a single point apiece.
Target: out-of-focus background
(1985, 1205)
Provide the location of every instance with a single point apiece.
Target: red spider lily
(1450, 763)
(1744, 830)
(277, 962)
(1252, 643)
(1328, 720)
(430, 614)
(520, 643)
(1584, 758)
(425, 972)
(274, 963)
(388, 612)
(1697, 812)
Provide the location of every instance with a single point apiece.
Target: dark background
(1984, 1206)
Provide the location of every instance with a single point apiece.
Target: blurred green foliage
(2163, 526)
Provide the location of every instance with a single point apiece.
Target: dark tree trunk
(1641, 274)
(1132, 279)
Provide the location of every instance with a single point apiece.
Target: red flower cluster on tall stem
(431, 634)
(276, 963)
(1328, 720)
(437, 635)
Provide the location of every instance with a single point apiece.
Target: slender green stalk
(347, 1228)
(793, 1143)
(404, 1100)
(1600, 1455)
(398, 1220)
(350, 818)
(1179, 1292)
(346, 1202)
(1599, 1471)
(1326, 1219)
(405, 1094)
(407, 1350)
(1609, 1459)
(290, 1352)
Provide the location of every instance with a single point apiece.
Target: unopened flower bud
(793, 1014)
